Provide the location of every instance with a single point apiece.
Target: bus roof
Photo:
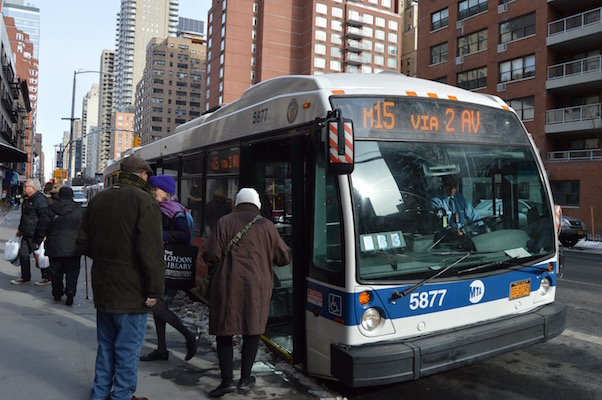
(288, 101)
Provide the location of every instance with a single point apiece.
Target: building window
(321, 35)
(335, 38)
(392, 62)
(440, 19)
(321, 8)
(337, 12)
(519, 68)
(566, 193)
(320, 48)
(468, 8)
(379, 60)
(439, 53)
(336, 52)
(517, 28)
(472, 43)
(473, 79)
(321, 22)
(379, 34)
(335, 65)
(524, 107)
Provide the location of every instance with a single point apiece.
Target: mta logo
(476, 292)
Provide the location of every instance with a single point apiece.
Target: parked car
(485, 209)
(572, 229)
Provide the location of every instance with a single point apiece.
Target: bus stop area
(48, 349)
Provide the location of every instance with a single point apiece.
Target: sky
(73, 34)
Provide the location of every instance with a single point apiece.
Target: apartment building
(26, 71)
(249, 41)
(170, 91)
(137, 23)
(543, 57)
(105, 109)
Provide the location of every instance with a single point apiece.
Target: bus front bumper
(390, 362)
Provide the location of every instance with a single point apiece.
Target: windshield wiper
(490, 264)
(503, 263)
(397, 295)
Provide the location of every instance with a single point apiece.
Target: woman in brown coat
(242, 287)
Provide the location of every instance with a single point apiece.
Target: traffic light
(137, 141)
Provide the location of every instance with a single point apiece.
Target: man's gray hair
(34, 183)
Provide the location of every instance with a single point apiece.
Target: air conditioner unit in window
(502, 8)
(502, 47)
(460, 25)
(459, 60)
(501, 87)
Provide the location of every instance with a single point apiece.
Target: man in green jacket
(121, 231)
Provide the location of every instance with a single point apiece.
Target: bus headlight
(370, 319)
(544, 287)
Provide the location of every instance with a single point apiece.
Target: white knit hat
(248, 195)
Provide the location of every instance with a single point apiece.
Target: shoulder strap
(237, 237)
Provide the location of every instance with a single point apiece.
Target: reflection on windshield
(417, 204)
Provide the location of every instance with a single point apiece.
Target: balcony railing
(575, 155)
(584, 19)
(577, 67)
(588, 112)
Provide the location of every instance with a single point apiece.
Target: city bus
(383, 287)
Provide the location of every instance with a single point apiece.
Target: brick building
(249, 41)
(543, 57)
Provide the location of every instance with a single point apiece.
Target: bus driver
(456, 207)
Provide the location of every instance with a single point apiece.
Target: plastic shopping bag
(11, 251)
(42, 258)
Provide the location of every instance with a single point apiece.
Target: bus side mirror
(338, 134)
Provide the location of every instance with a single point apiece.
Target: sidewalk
(48, 349)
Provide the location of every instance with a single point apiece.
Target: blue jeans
(120, 338)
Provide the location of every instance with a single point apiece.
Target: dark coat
(121, 232)
(65, 217)
(242, 287)
(34, 209)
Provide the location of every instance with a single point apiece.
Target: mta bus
(384, 285)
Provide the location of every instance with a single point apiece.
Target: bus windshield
(421, 206)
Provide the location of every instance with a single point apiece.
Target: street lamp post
(72, 118)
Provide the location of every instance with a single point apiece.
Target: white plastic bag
(11, 251)
(42, 258)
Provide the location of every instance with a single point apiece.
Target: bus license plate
(579, 232)
(520, 289)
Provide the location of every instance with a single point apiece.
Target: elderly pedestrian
(241, 287)
(60, 247)
(34, 212)
(121, 232)
(175, 230)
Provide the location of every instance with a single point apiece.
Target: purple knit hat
(163, 182)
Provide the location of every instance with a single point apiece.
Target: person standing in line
(60, 247)
(241, 287)
(121, 232)
(34, 213)
(216, 208)
(175, 230)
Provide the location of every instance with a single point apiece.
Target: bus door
(277, 174)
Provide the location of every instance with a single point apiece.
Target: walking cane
(86, 267)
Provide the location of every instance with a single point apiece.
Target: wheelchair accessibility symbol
(335, 304)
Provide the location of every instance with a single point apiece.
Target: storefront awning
(10, 153)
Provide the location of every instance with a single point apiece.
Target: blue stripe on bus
(344, 308)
